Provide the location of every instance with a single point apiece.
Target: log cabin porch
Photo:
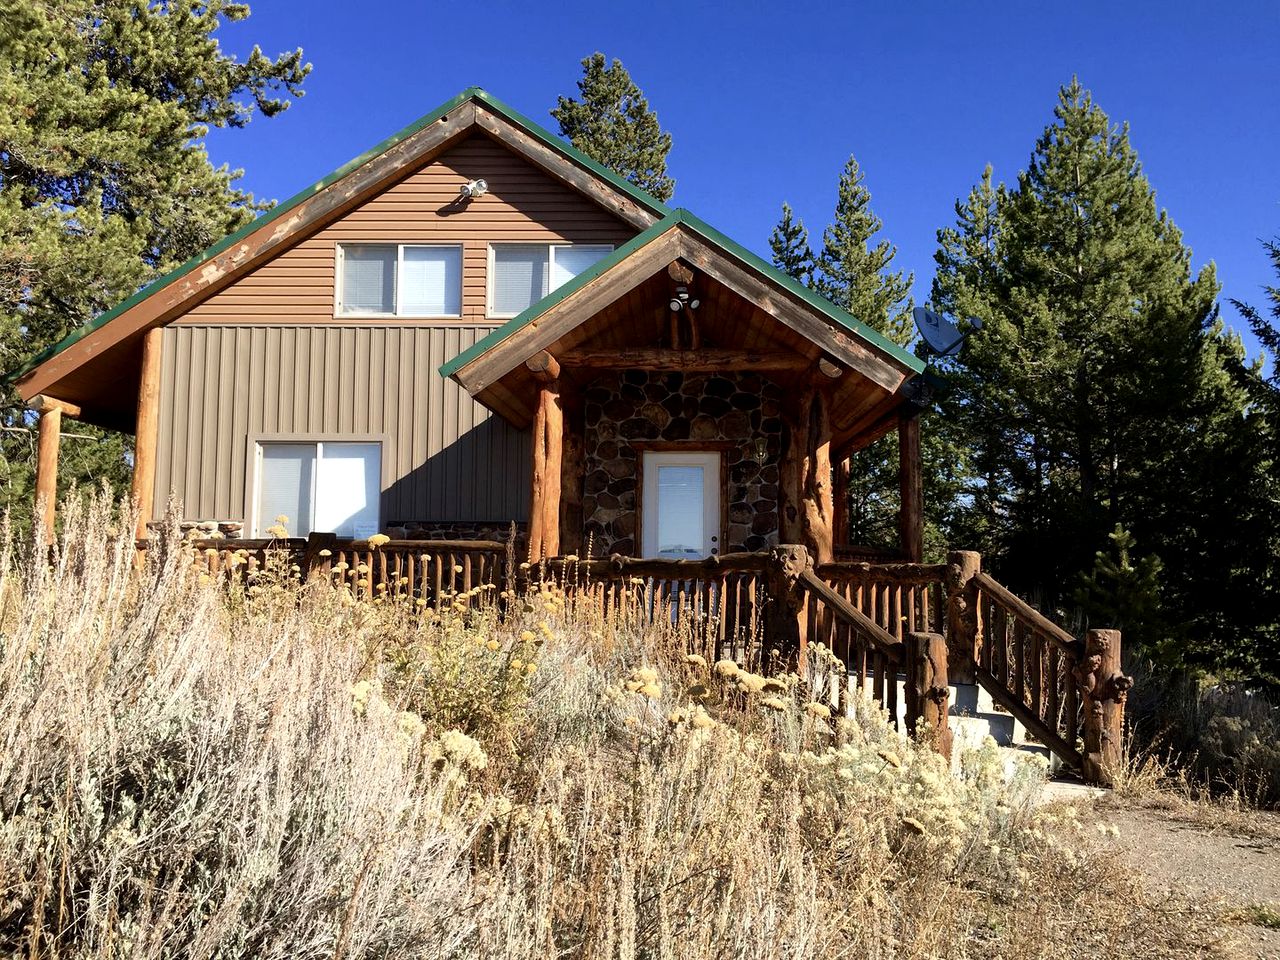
(683, 406)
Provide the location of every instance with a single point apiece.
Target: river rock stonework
(725, 411)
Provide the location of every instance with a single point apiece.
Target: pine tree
(104, 180)
(613, 125)
(790, 245)
(1100, 391)
(853, 271)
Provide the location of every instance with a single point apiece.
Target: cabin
(473, 328)
(473, 325)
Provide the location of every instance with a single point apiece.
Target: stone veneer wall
(622, 408)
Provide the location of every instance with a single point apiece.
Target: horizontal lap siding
(445, 458)
(523, 205)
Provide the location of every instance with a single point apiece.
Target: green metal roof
(471, 93)
(681, 216)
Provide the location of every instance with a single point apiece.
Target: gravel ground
(1234, 859)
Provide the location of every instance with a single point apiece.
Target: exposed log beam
(42, 403)
(680, 272)
(543, 366)
(700, 361)
(829, 369)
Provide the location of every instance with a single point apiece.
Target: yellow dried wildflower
(701, 719)
(749, 683)
(775, 685)
(378, 539)
(527, 636)
(492, 645)
(456, 747)
(819, 710)
(516, 664)
(326, 552)
(530, 668)
(411, 725)
(773, 703)
(277, 530)
(644, 674)
(633, 686)
(694, 660)
(282, 519)
(362, 568)
(651, 690)
(457, 568)
(889, 757)
(726, 668)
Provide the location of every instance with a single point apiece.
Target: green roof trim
(533, 312)
(716, 238)
(471, 93)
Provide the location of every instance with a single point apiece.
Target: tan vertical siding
(445, 458)
(523, 205)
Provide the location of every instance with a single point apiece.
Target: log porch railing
(921, 625)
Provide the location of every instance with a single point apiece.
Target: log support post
(50, 432)
(548, 460)
(840, 504)
(928, 690)
(964, 627)
(911, 515)
(785, 621)
(48, 439)
(805, 495)
(147, 431)
(1103, 691)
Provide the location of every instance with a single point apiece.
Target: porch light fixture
(681, 300)
(473, 189)
(760, 450)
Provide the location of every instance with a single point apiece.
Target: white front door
(681, 505)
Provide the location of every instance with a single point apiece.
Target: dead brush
(188, 771)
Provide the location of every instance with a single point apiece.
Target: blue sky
(766, 101)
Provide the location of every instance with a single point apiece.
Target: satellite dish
(940, 334)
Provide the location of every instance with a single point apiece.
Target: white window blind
(368, 279)
(333, 487)
(524, 273)
(286, 486)
(431, 282)
(519, 277)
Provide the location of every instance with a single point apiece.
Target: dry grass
(187, 771)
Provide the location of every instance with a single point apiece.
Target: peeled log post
(964, 629)
(1103, 691)
(911, 515)
(146, 430)
(929, 690)
(548, 460)
(840, 504)
(815, 470)
(50, 432)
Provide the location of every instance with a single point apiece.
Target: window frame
(338, 264)
(253, 489)
(491, 272)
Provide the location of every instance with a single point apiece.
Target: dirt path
(1232, 858)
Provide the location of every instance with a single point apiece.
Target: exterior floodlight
(473, 189)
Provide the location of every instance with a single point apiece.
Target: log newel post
(548, 460)
(840, 504)
(146, 431)
(1103, 691)
(911, 513)
(785, 628)
(964, 629)
(928, 690)
(49, 434)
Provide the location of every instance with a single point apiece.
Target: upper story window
(399, 280)
(521, 274)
